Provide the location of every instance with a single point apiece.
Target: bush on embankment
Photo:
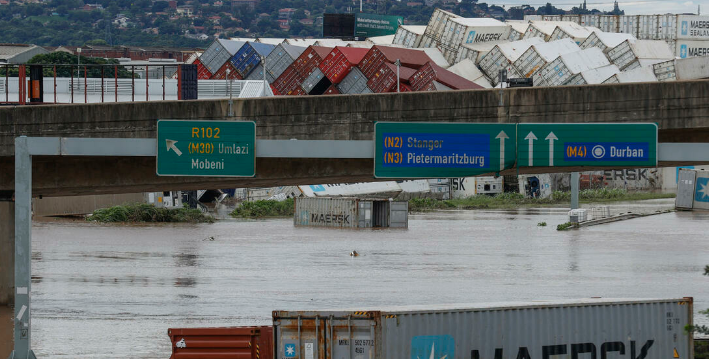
(264, 208)
(148, 213)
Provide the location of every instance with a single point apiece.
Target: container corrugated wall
(326, 212)
(227, 342)
(354, 83)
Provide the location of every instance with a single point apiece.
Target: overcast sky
(631, 7)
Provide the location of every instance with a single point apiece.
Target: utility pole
(398, 79)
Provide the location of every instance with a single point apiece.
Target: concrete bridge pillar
(7, 275)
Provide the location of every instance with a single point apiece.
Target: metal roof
(8, 51)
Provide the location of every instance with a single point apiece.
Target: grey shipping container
(257, 74)
(350, 213)
(585, 329)
(219, 52)
(686, 183)
(353, 83)
(280, 58)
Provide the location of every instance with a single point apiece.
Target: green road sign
(206, 148)
(435, 150)
(368, 25)
(597, 144)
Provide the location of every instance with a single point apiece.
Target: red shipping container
(234, 342)
(338, 63)
(332, 90)
(273, 89)
(289, 80)
(310, 59)
(298, 91)
(379, 54)
(384, 79)
(432, 72)
(202, 72)
(221, 73)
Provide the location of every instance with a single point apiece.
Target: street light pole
(78, 63)
(263, 65)
(229, 82)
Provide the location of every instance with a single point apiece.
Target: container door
(365, 214)
(399, 215)
(686, 182)
(300, 338)
(350, 338)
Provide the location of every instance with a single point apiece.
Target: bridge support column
(7, 275)
(575, 176)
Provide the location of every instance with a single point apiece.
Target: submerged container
(354, 83)
(249, 56)
(502, 57)
(628, 53)
(537, 56)
(280, 58)
(589, 328)
(564, 67)
(409, 35)
(605, 40)
(350, 213)
(227, 342)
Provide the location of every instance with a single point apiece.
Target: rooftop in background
(19, 53)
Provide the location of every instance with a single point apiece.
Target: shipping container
(573, 31)
(652, 328)
(202, 72)
(409, 35)
(226, 342)
(288, 82)
(693, 68)
(517, 29)
(692, 27)
(564, 67)
(467, 70)
(249, 56)
(316, 83)
(310, 59)
(605, 23)
(594, 76)
(686, 185)
(256, 74)
(354, 83)
(350, 213)
(687, 48)
(384, 79)
(379, 40)
(628, 52)
(648, 27)
(668, 27)
(640, 74)
(665, 71)
(540, 54)
(432, 72)
(221, 74)
(544, 29)
(475, 52)
(280, 58)
(271, 40)
(605, 40)
(338, 63)
(436, 56)
(380, 54)
(458, 31)
(436, 25)
(219, 52)
(332, 90)
(503, 56)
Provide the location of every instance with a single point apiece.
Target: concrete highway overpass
(681, 110)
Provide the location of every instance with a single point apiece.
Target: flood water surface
(112, 291)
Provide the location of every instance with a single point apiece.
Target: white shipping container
(502, 57)
(648, 27)
(540, 54)
(594, 76)
(543, 29)
(665, 71)
(573, 31)
(437, 23)
(649, 63)
(692, 27)
(587, 328)
(564, 67)
(668, 27)
(686, 48)
(409, 35)
(630, 51)
(476, 51)
(692, 68)
(606, 23)
(591, 20)
(517, 29)
(641, 74)
(605, 40)
(467, 70)
(459, 31)
(628, 24)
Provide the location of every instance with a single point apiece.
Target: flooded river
(112, 291)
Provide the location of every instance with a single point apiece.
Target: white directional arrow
(171, 145)
(531, 138)
(502, 136)
(551, 137)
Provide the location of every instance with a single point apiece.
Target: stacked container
(640, 74)
(219, 52)
(338, 63)
(540, 54)
(249, 57)
(605, 40)
(379, 54)
(566, 66)
(409, 35)
(431, 72)
(280, 58)
(475, 52)
(594, 76)
(354, 83)
(467, 70)
(573, 31)
(628, 54)
(692, 36)
(300, 70)
(434, 31)
(503, 56)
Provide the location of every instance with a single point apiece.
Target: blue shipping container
(249, 56)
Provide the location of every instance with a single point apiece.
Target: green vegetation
(565, 226)
(63, 58)
(148, 213)
(542, 224)
(514, 200)
(264, 208)
(703, 351)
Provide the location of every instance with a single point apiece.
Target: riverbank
(148, 213)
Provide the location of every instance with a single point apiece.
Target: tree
(160, 6)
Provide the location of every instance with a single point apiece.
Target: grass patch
(565, 226)
(264, 208)
(515, 200)
(148, 213)
(542, 224)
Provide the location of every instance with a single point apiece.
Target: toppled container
(502, 57)
(287, 83)
(640, 74)
(627, 54)
(354, 83)
(338, 63)
(316, 83)
(409, 35)
(332, 90)
(432, 72)
(221, 74)
(380, 54)
(249, 57)
(458, 31)
(564, 67)
(350, 213)
(436, 24)
(605, 40)
(280, 58)
(202, 72)
(256, 74)
(226, 342)
(384, 80)
(517, 29)
(310, 59)
(467, 70)
(692, 189)
(543, 29)
(539, 55)
(475, 51)
(572, 31)
(594, 76)
(219, 52)
(587, 328)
